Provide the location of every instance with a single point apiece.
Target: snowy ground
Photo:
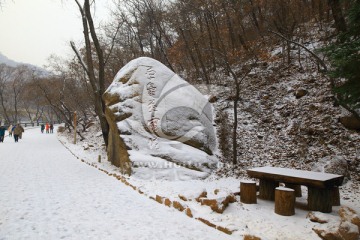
(46, 193)
(242, 219)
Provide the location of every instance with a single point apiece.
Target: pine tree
(344, 56)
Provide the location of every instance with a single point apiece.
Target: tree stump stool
(296, 187)
(284, 201)
(248, 192)
(335, 196)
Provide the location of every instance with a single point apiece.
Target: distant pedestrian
(2, 133)
(18, 132)
(10, 130)
(42, 128)
(47, 127)
(51, 128)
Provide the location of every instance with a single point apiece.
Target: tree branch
(113, 43)
(78, 56)
(318, 59)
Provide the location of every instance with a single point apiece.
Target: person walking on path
(18, 132)
(10, 130)
(2, 133)
(20, 135)
(42, 128)
(51, 128)
(47, 127)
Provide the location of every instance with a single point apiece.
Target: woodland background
(240, 50)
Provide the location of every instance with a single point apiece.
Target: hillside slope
(288, 118)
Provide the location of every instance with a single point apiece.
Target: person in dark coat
(18, 132)
(42, 128)
(51, 128)
(2, 133)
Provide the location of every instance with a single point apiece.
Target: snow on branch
(79, 56)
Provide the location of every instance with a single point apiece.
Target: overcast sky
(32, 30)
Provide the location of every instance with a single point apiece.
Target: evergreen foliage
(345, 59)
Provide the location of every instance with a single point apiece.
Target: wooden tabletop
(287, 175)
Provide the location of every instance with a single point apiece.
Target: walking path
(46, 193)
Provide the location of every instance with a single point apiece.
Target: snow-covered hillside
(7, 61)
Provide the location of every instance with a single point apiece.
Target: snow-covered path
(46, 193)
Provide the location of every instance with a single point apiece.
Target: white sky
(32, 30)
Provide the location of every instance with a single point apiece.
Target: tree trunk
(337, 14)
(4, 109)
(192, 57)
(200, 58)
(97, 83)
(234, 139)
(213, 60)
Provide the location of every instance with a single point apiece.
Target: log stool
(284, 201)
(248, 192)
(296, 187)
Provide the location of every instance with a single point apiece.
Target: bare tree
(22, 74)
(6, 74)
(338, 15)
(94, 57)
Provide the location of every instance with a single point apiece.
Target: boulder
(300, 93)
(350, 122)
(251, 237)
(337, 165)
(317, 217)
(188, 212)
(333, 227)
(213, 99)
(333, 164)
(348, 214)
(348, 231)
(330, 233)
(219, 204)
(159, 120)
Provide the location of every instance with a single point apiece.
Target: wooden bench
(321, 186)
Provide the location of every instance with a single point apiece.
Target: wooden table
(321, 186)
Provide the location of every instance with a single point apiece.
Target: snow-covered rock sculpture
(158, 121)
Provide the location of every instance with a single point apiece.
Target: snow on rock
(346, 226)
(348, 214)
(336, 165)
(158, 120)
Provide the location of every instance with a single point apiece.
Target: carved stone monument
(157, 118)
